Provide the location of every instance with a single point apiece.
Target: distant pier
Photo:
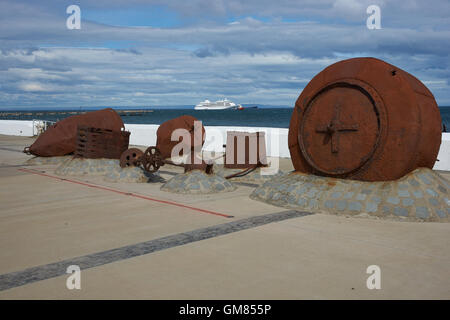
(69, 113)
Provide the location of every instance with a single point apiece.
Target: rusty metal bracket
(26, 150)
(244, 149)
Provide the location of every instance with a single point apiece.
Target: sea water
(249, 117)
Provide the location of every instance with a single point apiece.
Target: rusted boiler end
(364, 119)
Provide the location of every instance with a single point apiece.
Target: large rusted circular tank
(364, 119)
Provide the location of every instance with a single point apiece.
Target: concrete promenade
(134, 241)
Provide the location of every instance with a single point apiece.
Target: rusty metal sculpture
(131, 157)
(245, 149)
(60, 138)
(152, 160)
(95, 143)
(157, 156)
(364, 119)
(164, 141)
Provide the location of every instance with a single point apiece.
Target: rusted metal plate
(164, 133)
(60, 138)
(344, 118)
(97, 143)
(131, 157)
(245, 149)
(364, 119)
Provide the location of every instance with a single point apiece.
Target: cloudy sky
(179, 52)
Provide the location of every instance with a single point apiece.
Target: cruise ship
(218, 105)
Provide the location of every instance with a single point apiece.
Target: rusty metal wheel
(152, 159)
(131, 157)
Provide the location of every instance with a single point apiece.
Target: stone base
(422, 195)
(36, 161)
(108, 168)
(253, 177)
(197, 182)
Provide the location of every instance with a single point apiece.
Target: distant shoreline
(129, 108)
(127, 112)
(253, 117)
(124, 108)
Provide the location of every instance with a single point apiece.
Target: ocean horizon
(263, 116)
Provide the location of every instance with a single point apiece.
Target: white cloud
(257, 58)
(32, 87)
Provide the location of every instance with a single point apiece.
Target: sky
(180, 52)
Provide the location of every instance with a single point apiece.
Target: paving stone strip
(11, 149)
(52, 270)
(197, 182)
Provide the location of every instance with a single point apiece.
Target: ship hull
(213, 108)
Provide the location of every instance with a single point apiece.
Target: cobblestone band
(198, 182)
(422, 195)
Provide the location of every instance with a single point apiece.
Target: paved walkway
(47, 221)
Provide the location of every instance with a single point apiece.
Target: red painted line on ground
(126, 193)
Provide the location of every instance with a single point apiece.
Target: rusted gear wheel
(131, 157)
(152, 159)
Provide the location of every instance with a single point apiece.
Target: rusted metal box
(245, 149)
(97, 143)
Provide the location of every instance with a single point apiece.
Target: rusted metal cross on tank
(335, 127)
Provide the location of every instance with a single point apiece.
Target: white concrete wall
(17, 128)
(276, 138)
(443, 162)
(142, 134)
